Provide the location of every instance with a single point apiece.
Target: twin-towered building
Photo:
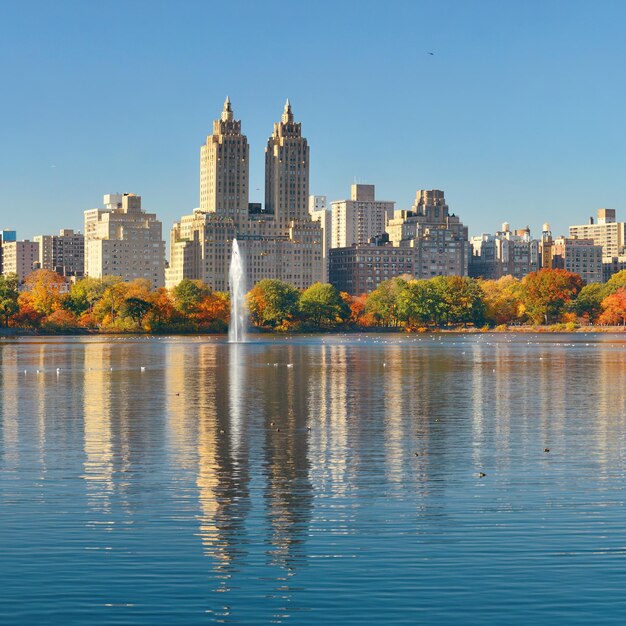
(278, 240)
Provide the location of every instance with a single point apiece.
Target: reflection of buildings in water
(395, 412)
(288, 492)
(606, 380)
(98, 438)
(327, 407)
(182, 400)
(223, 474)
(10, 383)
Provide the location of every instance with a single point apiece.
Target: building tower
(224, 171)
(287, 172)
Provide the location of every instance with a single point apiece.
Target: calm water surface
(313, 480)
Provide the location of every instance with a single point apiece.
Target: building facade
(280, 240)
(506, 253)
(319, 212)
(357, 220)
(604, 231)
(439, 237)
(359, 269)
(63, 253)
(581, 256)
(123, 240)
(20, 257)
(224, 163)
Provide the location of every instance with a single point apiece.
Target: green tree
(322, 306)
(189, 294)
(418, 303)
(461, 299)
(588, 304)
(135, 308)
(85, 293)
(272, 302)
(8, 297)
(382, 303)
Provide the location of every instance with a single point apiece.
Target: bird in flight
(432, 54)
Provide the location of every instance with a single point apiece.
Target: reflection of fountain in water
(236, 281)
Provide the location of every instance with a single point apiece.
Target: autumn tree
(272, 302)
(544, 294)
(44, 291)
(502, 300)
(85, 293)
(213, 312)
(323, 307)
(614, 308)
(8, 297)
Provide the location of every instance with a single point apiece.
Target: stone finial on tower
(227, 113)
(287, 113)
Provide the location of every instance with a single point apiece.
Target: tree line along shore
(544, 300)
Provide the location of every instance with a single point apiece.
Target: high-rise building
(287, 172)
(123, 240)
(360, 218)
(19, 257)
(63, 253)
(438, 236)
(606, 232)
(319, 212)
(5, 237)
(581, 256)
(278, 241)
(224, 163)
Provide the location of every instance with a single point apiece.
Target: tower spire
(287, 113)
(227, 113)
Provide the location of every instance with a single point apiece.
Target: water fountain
(236, 281)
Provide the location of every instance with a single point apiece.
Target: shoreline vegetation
(543, 301)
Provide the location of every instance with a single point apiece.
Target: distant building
(123, 240)
(19, 257)
(280, 240)
(361, 268)
(357, 220)
(608, 233)
(63, 253)
(505, 253)
(7, 236)
(319, 212)
(438, 236)
(581, 256)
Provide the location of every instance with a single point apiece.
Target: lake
(341, 479)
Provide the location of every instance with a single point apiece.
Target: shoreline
(553, 328)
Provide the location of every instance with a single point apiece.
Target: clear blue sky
(520, 114)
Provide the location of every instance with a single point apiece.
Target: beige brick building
(123, 240)
(357, 220)
(319, 212)
(63, 253)
(581, 256)
(19, 257)
(438, 236)
(277, 241)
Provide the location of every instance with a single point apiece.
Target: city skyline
(518, 107)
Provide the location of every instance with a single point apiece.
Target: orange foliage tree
(544, 294)
(614, 308)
